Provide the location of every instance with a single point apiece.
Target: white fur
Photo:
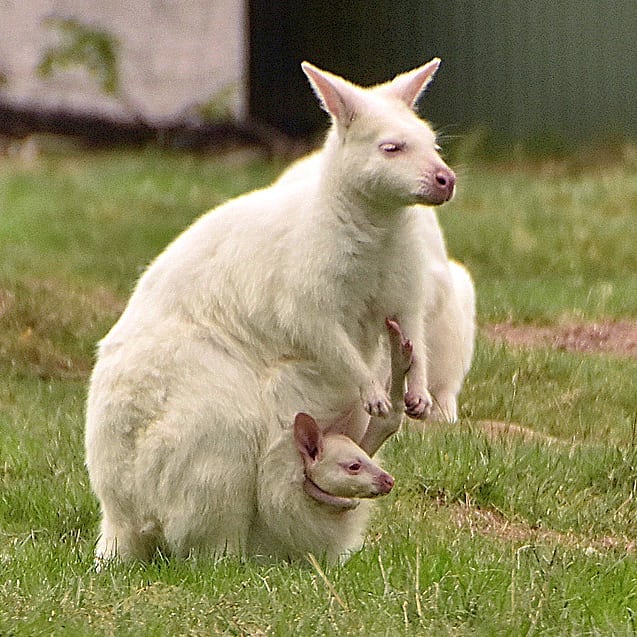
(272, 304)
(448, 300)
(450, 335)
(289, 523)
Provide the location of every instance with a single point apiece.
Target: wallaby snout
(438, 185)
(385, 483)
(445, 183)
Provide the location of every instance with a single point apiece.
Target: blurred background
(181, 73)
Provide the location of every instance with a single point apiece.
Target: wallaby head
(381, 150)
(337, 470)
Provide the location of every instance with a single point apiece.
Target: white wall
(173, 55)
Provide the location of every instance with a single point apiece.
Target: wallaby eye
(437, 148)
(391, 147)
(355, 467)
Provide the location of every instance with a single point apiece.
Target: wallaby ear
(410, 86)
(308, 438)
(337, 96)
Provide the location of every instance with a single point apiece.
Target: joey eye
(355, 467)
(437, 147)
(391, 147)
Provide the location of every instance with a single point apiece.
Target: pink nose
(385, 483)
(445, 183)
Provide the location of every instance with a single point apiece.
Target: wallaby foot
(121, 542)
(402, 349)
(445, 407)
(418, 401)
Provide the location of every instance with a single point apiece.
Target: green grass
(549, 240)
(482, 535)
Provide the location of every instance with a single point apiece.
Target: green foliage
(83, 46)
(219, 108)
(484, 534)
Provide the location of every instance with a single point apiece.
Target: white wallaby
(334, 473)
(271, 305)
(448, 299)
(243, 490)
(309, 492)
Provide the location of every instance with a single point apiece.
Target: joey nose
(445, 182)
(385, 483)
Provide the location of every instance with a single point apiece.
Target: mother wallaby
(273, 304)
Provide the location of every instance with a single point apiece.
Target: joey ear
(337, 96)
(410, 86)
(308, 438)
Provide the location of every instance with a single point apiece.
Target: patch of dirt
(49, 329)
(498, 430)
(616, 338)
(493, 524)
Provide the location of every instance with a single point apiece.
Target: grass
(483, 535)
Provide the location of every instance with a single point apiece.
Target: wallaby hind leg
(379, 429)
(451, 338)
(121, 541)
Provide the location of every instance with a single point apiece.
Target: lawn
(522, 526)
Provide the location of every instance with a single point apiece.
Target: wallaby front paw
(376, 402)
(418, 404)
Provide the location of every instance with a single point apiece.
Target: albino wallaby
(448, 298)
(250, 491)
(336, 468)
(309, 490)
(270, 305)
(310, 503)
(334, 471)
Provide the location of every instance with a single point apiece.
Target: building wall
(172, 55)
(522, 69)
(566, 68)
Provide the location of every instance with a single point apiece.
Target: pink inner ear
(308, 437)
(333, 91)
(410, 86)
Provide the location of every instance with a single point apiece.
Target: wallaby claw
(418, 406)
(377, 404)
(378, 408)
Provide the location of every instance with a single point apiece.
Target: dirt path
(492, 523)
(617, 338)
(610, 338)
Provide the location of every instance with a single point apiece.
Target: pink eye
(391, 147)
